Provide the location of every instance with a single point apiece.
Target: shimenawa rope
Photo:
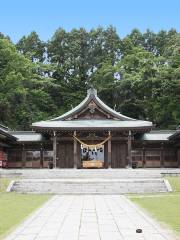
(92, 145)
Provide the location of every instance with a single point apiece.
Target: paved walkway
(88, 217)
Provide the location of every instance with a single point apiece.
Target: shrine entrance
(92, 135)
(93, 153)
(92, 157)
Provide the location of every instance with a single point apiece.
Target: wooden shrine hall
(92, 135)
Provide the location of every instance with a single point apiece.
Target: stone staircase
(90, 181)
(82, 173)
(89, 186)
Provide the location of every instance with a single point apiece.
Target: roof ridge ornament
(92, 91)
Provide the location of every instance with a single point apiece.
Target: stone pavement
(88, 217)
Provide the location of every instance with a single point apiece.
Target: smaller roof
(3, 127)
(5, 134)
(175, 135)
(157, 135)
(27, 136)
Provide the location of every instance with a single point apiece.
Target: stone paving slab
(89, 217)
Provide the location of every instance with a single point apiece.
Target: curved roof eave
(110, 110)
(175, 135)
(7, 134)
(93, 124)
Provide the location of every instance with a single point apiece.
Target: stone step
(89, 186)
(82, 173)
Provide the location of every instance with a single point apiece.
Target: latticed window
(169, 155)
(153, 155)
(137, 155)
(14, 155)
(48, 155)
(32, 155)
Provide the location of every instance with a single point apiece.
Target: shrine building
(91, 135)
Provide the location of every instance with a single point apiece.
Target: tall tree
(32, 47)
(138, 75)
(24, 96)
(77, 55)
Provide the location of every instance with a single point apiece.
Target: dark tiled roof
(175, 135)
(27, 136)
(157, 135)
(5, 134)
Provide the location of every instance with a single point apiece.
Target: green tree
(32, 47)
(23, 93)
(138, 75)
(76, 55)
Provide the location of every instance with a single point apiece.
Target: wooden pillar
(75, 152)
(129, 150)
(162, 155)
(144, 157)
(178, 157)
(23, 157)
(41, 156)
(109, 151)
(54, 148)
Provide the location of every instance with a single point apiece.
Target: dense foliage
(138, 75)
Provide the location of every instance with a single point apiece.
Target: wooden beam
(109, 151)
(75, 152)
(129, 143)
(54, 149)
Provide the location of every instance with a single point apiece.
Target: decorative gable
(91, 111)
(92, 108)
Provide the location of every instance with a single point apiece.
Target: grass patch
(4, 182)
(175, 183)
(163, 207)
(15, 207)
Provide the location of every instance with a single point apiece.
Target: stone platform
(89, 186)
(89, 173)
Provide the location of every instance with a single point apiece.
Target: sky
(20, 17)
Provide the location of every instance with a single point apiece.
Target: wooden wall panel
(178, 157)
(15, 158)
(119, 155)
(137, 157)
(65, 155)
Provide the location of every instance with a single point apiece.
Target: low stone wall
(89, 186)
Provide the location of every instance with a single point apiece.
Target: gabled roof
(92, 95)
(117, 120)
